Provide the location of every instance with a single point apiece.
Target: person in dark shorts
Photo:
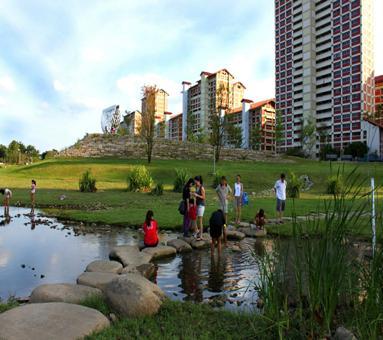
(217, 221)
(280, 193)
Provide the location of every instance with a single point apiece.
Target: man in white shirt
(280, 193)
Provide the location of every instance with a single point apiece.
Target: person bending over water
(260, 219)
(7, 199)
(216, 223)
(33, 196)
(200, 200)
(150, 230)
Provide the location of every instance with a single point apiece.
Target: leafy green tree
(308, 137)
(234, 135)
(31, 152)
(14, 152)
(256, 137)
(3, 152)
(356, 149)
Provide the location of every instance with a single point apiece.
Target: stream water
(43, 250)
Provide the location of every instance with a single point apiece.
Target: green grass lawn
(112, 204)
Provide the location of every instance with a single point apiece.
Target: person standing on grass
(280, 193)
(150, 230)
(7, 193)
(33, 196)
(223, 192)
(238, 194)
(216, 223)
(200, 197)
(186, 196)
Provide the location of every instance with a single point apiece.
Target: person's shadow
(216, 274)
(6, 220)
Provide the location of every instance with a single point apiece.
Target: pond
(43, 250)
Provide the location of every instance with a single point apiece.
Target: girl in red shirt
(150, 230)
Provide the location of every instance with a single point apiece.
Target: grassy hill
(112, 204)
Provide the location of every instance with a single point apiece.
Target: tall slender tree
(279, 136)
(147, 129)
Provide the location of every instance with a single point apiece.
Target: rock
(181, 246)
(253, 232)
(133, 295)
(96, 280)
(63, 292)
(235, 235)
(160, 252)
(46, 321)
(344, 334)
(260, 303)
(188, 240)
(104, 267)
(147, 270)
(129, 256)
(235, 248)
(200, 244)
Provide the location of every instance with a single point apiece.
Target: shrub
(294, 186)
(296, 152)
(140, 179)
(335, 185)
(158, 190)
(356, 149)
(182, 177)
(87, 183)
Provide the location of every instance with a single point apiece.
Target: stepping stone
(200, 244)
(129, 256)
(147, 270)
(104, 267)
(160, 252)
(47, 321)
(188, 240)
(181, 246)
(96, 280)
(132, 295)
(253, 232)
(235, 235)
(63, 292)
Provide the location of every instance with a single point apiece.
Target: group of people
(7, 193)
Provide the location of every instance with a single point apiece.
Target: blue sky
(63, 61)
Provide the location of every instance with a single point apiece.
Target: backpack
(182, 207)
(245, 199)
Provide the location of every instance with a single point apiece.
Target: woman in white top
(238, 194)
(33, 196)
(7, 198)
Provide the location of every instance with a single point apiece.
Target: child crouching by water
(150, 230)
(7, 198)
(260, 219)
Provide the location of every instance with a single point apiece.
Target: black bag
(182, 207)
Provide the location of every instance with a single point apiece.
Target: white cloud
(7, 84)
(58, 86)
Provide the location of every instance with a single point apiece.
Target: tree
(14, 152)
(256, 137)
(234, 135)
(219, 106)
(356, 149)
(3, 152)
(147, 129)
(279, 135)
(308, 137)
(31, 152)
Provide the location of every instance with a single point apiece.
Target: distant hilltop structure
(253, 123)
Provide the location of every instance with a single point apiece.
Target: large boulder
(180, 246)
(129, 256)
(63, 292)
(235, 235)
(104, 267)
(160, 252)
(46, 321)
(203, 243)
(96, 280)
(147, 270)
(133, 295)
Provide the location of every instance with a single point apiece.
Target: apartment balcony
(323, 30)
(327, 97)
(327, 72)
(324, 106)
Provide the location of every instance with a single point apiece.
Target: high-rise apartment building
(203, 98)
(324, 71)
(161, 105)
(379, 96)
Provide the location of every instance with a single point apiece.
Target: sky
(62, 62)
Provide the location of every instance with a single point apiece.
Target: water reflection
(36, 250)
